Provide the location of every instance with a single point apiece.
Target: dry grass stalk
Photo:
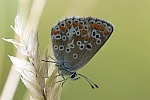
(34, 73)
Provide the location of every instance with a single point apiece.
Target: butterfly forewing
(76, 40)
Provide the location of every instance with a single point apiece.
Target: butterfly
(75, 40)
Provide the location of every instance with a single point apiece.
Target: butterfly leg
(63, 81)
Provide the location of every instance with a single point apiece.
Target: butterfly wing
(76, 40)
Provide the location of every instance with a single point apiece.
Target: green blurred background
(121, 68)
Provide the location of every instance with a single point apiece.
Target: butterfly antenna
(89, 81)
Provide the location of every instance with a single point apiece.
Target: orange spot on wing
(68, 25)
(102, 28)
(96, 26)
(75, 24)
(84, 32)
(91, 25)
(80, 26)
(63, 28)
(86, 38)
(106, 32)
(54, 32)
